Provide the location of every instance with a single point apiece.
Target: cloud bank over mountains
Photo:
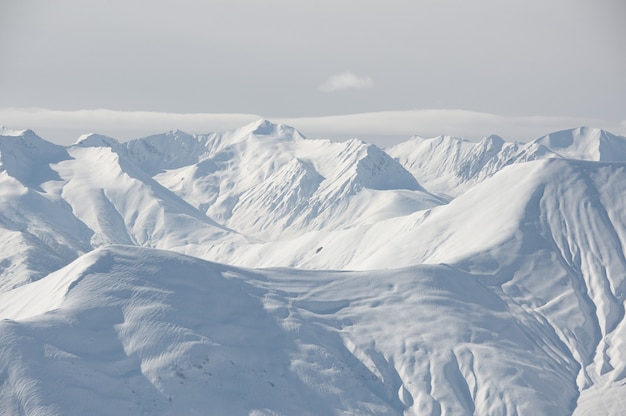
(384, 128)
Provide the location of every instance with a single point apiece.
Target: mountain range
(261, 272)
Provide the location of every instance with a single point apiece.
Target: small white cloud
(344, 81)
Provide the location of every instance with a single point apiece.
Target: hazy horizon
(558, 60)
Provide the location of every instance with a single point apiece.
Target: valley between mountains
(260, 272)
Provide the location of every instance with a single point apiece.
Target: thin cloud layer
(386, 128)
(383, 128)
(345, 80)
(65, 126)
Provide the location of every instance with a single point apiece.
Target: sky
(378, 70)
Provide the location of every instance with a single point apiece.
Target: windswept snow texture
(130, 330)
(439, 277)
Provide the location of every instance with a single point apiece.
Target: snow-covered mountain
(127, 330)
(194, 194)
(452, 165)
(266, 180)
(58, 203)
(585, 143)
(504, 295)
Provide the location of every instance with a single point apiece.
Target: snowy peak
(493, 141)
(170, 150)
(176, 149)
(269, 169)
(259, 132)
(5, 131)
(377, 170)
(265, 128)
(586, 143)
(97, 140)
(451, 165)
(26, 143)
(27, 157)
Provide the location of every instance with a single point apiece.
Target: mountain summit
(586, 143)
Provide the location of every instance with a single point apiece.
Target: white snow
(469, 278)
(131, 330)
(451, 165)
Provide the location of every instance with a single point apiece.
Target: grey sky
(277, 59)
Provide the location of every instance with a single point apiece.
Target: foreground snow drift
(125, 330)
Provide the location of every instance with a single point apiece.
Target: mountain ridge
(450, 165)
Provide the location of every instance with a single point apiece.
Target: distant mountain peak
(178, 133)
(494, 138)
(5, 131)
(96, 140)
(586, 143)
(27, 139)
(266, 128)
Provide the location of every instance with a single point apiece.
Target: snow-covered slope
(549, 236)
(120, 197)
(263, 180)
(57, 203)
(451, 165)
(126, 330)
(585, 143)
(38, 234)
(267, 180)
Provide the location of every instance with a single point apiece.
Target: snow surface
(451, 165)
(132, 330)
(469, 278)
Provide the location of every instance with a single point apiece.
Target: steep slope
(549, 235)
(38, 233)
(267, 180)
(171, 150)
(57, 203)
(132, 330)
(451, 165)
(124, 205)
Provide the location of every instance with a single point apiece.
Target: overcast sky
(424, 66)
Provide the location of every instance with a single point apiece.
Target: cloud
(64, 127)
(345, 80)
(383, 128)
(386, 128)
